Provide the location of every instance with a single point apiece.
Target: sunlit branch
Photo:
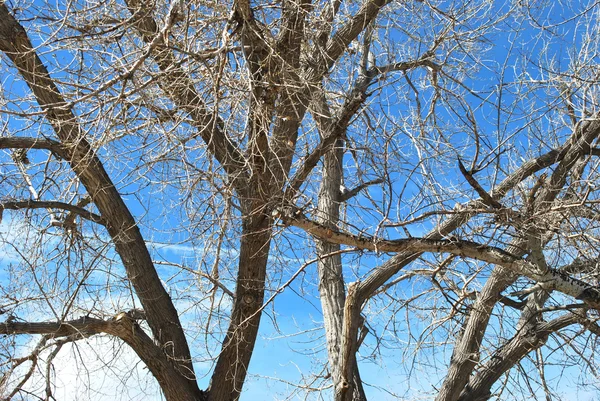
(356, 190)
(551, 278)
(124, 326)
(82, 327)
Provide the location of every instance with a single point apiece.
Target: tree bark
(507, 356)
(232, 366)
(130, 245)
(331, 278)
(466, 351)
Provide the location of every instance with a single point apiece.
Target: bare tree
(436, 161)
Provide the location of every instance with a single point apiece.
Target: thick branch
(554, 279)
(294, 101)
(122, 227)
(180, 89)
(297, 219)
(344, 373)
(82, 327)
(33, 204)
(292, 31)
(310, 162)
(479, 387)
(122, 326)
(17, 142)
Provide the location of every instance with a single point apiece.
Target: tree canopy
(392, 198)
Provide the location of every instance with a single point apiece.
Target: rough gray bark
(331, 278)
(466, 353)
(331, 281)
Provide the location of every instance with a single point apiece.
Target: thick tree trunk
(232, 365)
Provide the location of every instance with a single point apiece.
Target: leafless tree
(434, 161)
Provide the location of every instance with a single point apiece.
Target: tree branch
(349, 348)
(338, 44)
(17, 142)
(33, 204)
(82, 327)
(509, 354)
(553, 279)
(179, 87)
(123, 326)
(379, 276)
(485, 196)
(344, 196)
(122, 227)
(466, 352)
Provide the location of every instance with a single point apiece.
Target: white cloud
(96, 369)
(12, 235)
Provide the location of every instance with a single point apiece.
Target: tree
(435, 160)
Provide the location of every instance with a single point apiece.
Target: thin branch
(292, 278)
(355, 191)
(485, 196)
(201, 274)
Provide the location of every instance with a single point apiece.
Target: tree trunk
(232, 365)
(162, 317)
(331, 279)
(466, 352)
